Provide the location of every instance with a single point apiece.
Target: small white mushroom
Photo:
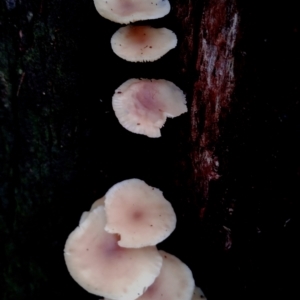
(143, 105)
(126, 11)
(198, 294)
(175, 281)
(98, 264)
(83, 217)
(142, 43)
(99, 202)
(139, 213)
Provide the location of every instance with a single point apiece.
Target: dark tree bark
(230, 166)
(212, 43)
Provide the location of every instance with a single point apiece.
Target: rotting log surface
(61, 146)
(209, 45)
(213, 90)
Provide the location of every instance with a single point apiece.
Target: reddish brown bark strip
(213, 88)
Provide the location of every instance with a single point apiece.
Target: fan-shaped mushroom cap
(126, 11)
(143, 105)
(142, 43)
(97, 263)
(139, 213)
(175, 281)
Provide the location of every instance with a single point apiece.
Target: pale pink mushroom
(126, 11)
(143, 105)
(97, 263)
(99, 202)
(83, 217)
(139, 213)
(198, 294)
(142, 43)
(175, 281)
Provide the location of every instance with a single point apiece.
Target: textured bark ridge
(213, 88)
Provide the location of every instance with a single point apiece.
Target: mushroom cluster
(113, 254)
(155, 99)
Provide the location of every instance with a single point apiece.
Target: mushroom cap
(142, 43)
(175, 281)
(97, 203)
(143, 105)
(198, 294)
(139, 213)
(126, 11)
(97, 263)
(84, 215)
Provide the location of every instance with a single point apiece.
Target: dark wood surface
(231, 170)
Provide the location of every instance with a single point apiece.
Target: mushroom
(83, 217)
(98, 264)
(143, 105)
(175, 281)
(142, 43)
(198, 294)
(99, 202)
(126, 11)
(138, 213)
